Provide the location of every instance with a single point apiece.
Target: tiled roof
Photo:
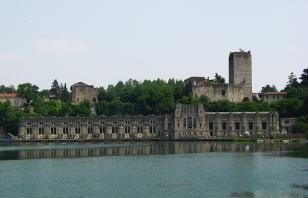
(275, 93)
(8, 95)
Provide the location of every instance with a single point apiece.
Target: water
(153, 169)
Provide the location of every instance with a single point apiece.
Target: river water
(154, 169)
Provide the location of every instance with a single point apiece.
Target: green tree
(267, 88)
(304, 77)
(28, 91)
(219, 79)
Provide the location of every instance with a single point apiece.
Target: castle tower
(240, 70)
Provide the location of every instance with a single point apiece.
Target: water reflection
(160, 148)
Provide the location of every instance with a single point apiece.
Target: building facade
(273, 96)
(187, 122)
(12, 98)
(82, 92)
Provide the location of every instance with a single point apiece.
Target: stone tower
(240, 71)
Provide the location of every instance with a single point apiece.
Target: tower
(240, 71)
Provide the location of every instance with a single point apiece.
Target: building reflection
(161, 148)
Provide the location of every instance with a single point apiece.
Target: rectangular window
(189, 122)
(90, 130)
(100, 129)
(127, 129)
(41, 131)
(53, 130)
(224, 125)
(114, 129)
(264, 125)
(154, 129)
(184, 122)
(211, 126)
(237, 126)
(194, 123)
(151, 130)
(29, 131)
(250, 125)
(65, 130)
(77, 130)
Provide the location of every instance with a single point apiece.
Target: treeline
(148, 97)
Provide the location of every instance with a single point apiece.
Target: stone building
(274, 96)
(187, 122)
(240, 71)
(240, 77)
(82, 92)
(12, 98)
(99, 128)
(194, 123)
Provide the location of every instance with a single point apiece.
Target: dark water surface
(154, 169)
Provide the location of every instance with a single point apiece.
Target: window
(28, 123)
(287, 122)
(184, 122)
(211, 126)
(139, 129)
(77, 130)
(127, 129)
(126, 122)
(53, 130)
(115, 122)
(41, 123)
(41, 131)
(194, 123)
(65, 123)
(264, 125)
(154, 129)
(102, 130)
(223, 92)
(189, 122)
(237, 126)
(250, 125)
(65, 130)
(90, 130)
(152, 122)
(53, 123)
(224, 125)
(102, 123)
(90, 122)
(114, 129)
(151, 129)
(29, 131)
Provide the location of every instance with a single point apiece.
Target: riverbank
(240, 139)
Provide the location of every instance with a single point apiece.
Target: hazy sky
(101, 42)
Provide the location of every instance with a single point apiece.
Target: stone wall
(240, 71)
(218, 91)
(82, 92)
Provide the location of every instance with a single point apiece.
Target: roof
(8, 95)
(275, 93)
(80, 84)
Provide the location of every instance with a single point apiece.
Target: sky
(101, 42)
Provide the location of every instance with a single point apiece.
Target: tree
(219, 79)
(55, 89)
(292, 80)
(28, 91)
(4, 89)
(267, 88)
(304, 77)
(64, 93)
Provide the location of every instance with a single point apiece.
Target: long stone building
(187, 122)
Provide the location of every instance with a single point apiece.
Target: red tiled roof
(275, 93)
(8, 95)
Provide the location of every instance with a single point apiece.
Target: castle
(187, 121)
(240, 81)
